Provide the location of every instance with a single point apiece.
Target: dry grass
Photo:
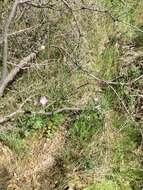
(44, 154)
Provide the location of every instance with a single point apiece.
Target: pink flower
(43, 101)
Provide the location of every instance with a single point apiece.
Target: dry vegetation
(71, 95)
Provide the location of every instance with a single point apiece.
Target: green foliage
(123, 150)
(57, 119)
(130, 176)
(86, 125)
(43, 56)
(34, 122)
(109, 185)
(107, 98)
(83, 128)
(14, 141)
(134, 72)
(53, 124)
(91, 143)
(126, 164)
(26, 127)
(30, 124)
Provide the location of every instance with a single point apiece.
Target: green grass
(86, 125)
(15, 142)
(109, 185)
(91, 134)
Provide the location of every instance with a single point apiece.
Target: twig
(21, 31)
(61, 110)
(24, 30)
(24, 1)
(8, 117)
(135, 80)
(43, 6)
(81, 68)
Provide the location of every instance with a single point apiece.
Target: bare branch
(14, 71)
(46, 5)
(60, 110)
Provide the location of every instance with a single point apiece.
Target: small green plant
(52, 124)
(138, 39)
(30, 124)
(57, 119)
(33, 122)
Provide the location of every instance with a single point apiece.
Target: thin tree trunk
(5, 40)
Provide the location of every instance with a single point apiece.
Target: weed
(53, 124)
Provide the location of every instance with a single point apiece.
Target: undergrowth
(96, 143)
(103, 149)
(26, 128)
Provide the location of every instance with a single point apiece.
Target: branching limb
(14, 71)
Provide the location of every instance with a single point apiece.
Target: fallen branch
(10, 77)
(60, 110)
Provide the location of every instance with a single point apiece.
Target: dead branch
(10, 77)
(41, 6)
(60, 110)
